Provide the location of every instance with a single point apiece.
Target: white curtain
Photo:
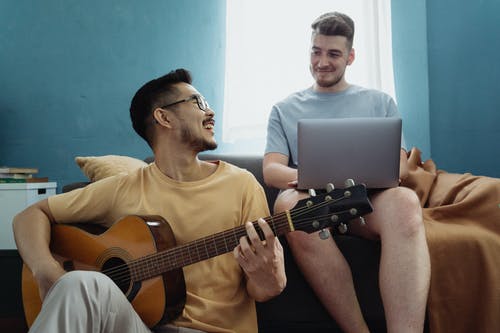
(267, 56)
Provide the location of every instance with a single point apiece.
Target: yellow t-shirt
(217, 300)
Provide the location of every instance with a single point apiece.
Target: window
(267, 57)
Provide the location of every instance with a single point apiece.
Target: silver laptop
(366, 150)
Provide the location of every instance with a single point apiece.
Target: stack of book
(20, 175)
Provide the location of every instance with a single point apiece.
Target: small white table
(14, 197)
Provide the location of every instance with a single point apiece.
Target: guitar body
(156, 300)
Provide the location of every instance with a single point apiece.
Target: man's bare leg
(404, 267)
(405, 263)
(325, 269)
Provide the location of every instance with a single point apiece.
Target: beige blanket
(462, 220)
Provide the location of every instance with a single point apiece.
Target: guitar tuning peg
(349, 182)
(362, 220)
(324, 234)
(329, 187)
(342, 228)
(312, 192)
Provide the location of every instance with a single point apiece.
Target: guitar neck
(202, 249)
(329, 210)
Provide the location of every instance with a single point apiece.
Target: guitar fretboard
(339, 204)
(200, 249)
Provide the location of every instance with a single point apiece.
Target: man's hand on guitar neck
(262, 262)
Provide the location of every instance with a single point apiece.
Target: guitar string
(121, 273)
(153, 258)
(279, 218)
(240, 231)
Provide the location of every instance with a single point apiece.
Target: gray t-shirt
(355, 101)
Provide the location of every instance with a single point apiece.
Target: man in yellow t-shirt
(197, 198)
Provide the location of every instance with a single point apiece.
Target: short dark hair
(152, 95)
(334, 24)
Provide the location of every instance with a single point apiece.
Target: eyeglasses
(200, 100)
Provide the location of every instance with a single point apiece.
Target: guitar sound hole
(118, 271)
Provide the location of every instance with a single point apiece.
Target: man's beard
(328, 84)
(198, 144)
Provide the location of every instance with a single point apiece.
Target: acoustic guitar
(139, 253)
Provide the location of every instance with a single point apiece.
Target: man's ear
(161, 117)
(351, 57)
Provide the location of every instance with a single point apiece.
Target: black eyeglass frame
(200, 101)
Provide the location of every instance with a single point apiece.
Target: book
(18, 170)
(24, 180)
(37, 180)
(16, 175)
(12, 180)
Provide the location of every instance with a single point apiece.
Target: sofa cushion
(99, 167)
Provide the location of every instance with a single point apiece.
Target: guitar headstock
(333, 208)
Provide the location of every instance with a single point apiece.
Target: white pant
(83, 301)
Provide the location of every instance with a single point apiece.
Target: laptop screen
(366, 150)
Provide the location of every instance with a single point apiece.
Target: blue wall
(69, 69)
(411, 79)
(464, 78)
(445, 55)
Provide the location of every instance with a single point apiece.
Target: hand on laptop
(403, 165)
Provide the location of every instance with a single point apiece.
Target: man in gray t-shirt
(397, 217)
(354, 101)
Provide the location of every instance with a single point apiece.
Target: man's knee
(288, 199)
(84, 282)
(401, 207)
(405, 198)
(408, 202)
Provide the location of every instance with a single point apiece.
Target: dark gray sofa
(297, 309)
